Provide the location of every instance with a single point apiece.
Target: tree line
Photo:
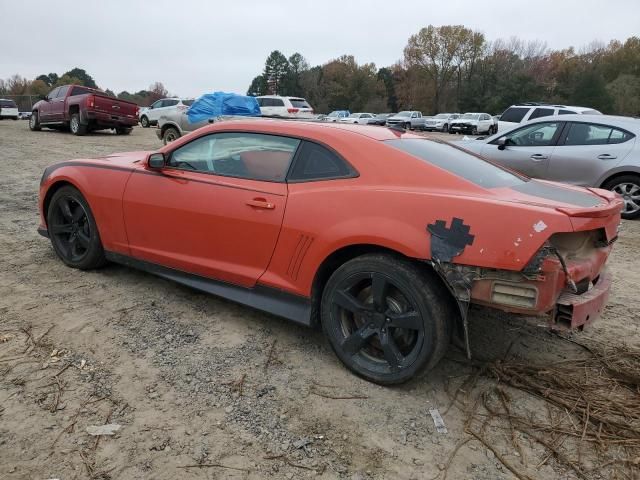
(445, 68)
(43, 84)
(453, 68)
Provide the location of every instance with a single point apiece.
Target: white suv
(276, 106)
(524, 112)
(150, 115)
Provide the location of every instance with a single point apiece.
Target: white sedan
(358, 118)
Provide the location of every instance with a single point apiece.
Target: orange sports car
(382, 237)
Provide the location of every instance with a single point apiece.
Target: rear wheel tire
(386, 319)
(144, 121)
(628, 186)
(407, 126)
(34, 122)
(73, 230)
(75, 126)
(445, 129)
(170, 135)
(474, 131)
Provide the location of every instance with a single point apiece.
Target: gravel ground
(204, 388)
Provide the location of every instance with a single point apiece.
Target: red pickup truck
(82, 109)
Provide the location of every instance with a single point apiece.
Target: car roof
(613, 120)
(299, 128)
(552, 105)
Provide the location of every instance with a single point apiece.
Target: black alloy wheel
(73, 231)
(385, 319)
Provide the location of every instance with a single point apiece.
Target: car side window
(63, 91)
(170, 103)
(514, 114)
(253, 156)
(79, 91)
(593, 134)
(565, 112)
(277, 102)
(536, 135)
(53, 93)
(156, 104)
(541, 112)
(315, 162)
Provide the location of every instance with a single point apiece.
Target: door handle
(537, 157)
(261, 203)
(607, 156)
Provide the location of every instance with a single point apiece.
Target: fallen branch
(213, 465)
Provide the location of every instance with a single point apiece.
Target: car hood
(123, 159)
(465, 120)
(404, 119)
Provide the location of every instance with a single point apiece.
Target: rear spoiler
(612, 207)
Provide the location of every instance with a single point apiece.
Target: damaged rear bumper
(576, 311)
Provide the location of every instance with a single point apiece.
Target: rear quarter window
(458, 162)
(513, 114)
(299, 103)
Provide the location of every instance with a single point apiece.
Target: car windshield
(470, 116)
(299, 103)
(334, 114)
(8, 104)
(188, 102)
(442, 115)
(459, 162)
(403, 114)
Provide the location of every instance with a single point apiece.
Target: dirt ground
(204, 388)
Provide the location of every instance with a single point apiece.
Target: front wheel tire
(170, 135)
(385, 318)
(144, 121)
(628, 187)
(73, 230)
(34, 122)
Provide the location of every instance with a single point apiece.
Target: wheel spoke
(83, 239)
(349, 302)
(379, 287)
(406, 320)
(78, 214)
(391, 351)
(65, 208)
(357, 340)
(57, 229)
(73, 247)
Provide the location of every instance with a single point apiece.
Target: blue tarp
(211, 105)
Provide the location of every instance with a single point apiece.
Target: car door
(216, 208)
(155, 110)
(484, 123)
(57, 106)
(586, 151)
(45, 109)
(526, 149)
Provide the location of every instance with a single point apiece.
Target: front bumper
(107, 120)
(464, 127)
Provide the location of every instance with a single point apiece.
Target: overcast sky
(197, 46)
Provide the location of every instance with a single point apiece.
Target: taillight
(292, 110)
(91, 101)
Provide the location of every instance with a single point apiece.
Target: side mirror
(156, 161)
(502, 143)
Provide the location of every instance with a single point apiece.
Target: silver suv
(441, 122)
(150, 115)
(600, 151)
